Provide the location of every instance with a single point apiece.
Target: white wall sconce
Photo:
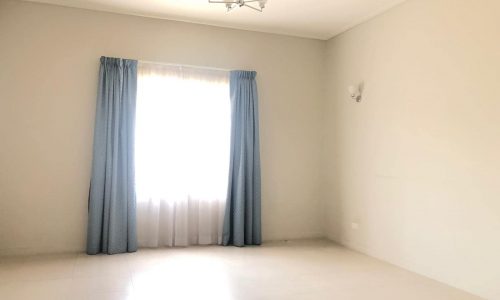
(356, 92)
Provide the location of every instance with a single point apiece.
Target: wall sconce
(356, 92)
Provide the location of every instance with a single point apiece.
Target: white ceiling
(321, 19)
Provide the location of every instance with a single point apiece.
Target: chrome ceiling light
(231, 4)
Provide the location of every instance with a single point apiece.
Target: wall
(417, 164)
(49, 58)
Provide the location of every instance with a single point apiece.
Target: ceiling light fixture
(231, 4)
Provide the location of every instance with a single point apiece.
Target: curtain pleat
(111, 220)
(242, 221)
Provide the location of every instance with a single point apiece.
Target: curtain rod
(181, 65)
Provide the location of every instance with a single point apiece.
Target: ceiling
(320, 19)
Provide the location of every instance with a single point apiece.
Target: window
(182, 154)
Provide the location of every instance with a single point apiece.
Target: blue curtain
(242, 221)
(111, 220)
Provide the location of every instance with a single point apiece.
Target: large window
(182, 154)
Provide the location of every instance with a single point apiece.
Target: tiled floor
(295, 270)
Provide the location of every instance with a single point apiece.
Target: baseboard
(28, 251)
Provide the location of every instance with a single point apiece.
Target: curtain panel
(112, 207)
(182, 154)
(242, 222)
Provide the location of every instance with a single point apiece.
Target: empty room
(249, 149)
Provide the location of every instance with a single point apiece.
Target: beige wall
(49, 60)
(417, 163)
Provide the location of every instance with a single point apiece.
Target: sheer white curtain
(182, 154)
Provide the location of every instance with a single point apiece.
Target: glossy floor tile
(294, 270)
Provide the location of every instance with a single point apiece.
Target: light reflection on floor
(184, 277)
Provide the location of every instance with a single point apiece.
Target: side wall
(416, 165)
(49, 58)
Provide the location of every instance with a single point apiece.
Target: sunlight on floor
(188, 277)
